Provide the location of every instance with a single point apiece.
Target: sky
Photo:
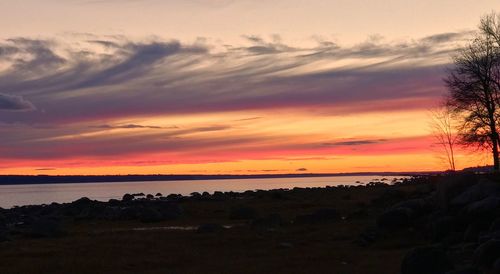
(226, 86)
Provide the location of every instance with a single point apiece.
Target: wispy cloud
(81, 89)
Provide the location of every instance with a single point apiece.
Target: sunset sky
(226, 86)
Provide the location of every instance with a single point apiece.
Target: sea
(36, 194)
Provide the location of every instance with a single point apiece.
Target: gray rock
(149, 215)
(285, 245)
(395, 218)
(467, 270)
(270, 221)
(441, 227)
(170, 211)
(483, 208)
(209, 228)
(428, 260)
(128, 197)
(417, 206)
(487, 254)
(324, 215)
(4, 234)
(477, 192)
(45, 228)
(243, 213)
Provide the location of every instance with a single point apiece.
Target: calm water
(11, 195)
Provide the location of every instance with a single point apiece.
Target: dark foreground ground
(435, 224)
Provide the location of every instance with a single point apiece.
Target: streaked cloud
(101, 99)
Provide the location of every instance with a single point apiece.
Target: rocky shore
(433, 224)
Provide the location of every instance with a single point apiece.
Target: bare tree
(474, 85)
(444, 131)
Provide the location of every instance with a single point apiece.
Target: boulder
(495, 225)
(242, 213)
(77, 207)
(394, 218)
(128, 213)
(496, 266)
(128, 197)
(45, 228)
(441, 227)
(149, 215)
(324, 215)
(485, 207)
(428, 260)
(467, 270)
(4, 234)
(477, 192)
(170, 210)
(195, 194)
(417, 206)
(487, 254)
(209, 228)
(390, 196)
(270, 221)
(450, 187)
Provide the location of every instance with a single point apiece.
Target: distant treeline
(48, 179)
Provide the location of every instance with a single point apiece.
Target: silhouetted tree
(474, 85)
(444, 131)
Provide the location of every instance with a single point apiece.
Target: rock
(150, 197)
(324, 215)
(4, 234)
(417, 206)
(486, 207)
(472, 232)
(272, 220)
(495, 225)
(158, 194)
(195, 194)
(170, 211)
(441, 227)
(114, 202)
(209, 228)
(128, 213)
(285, 245)
(367, 237)
(390, 196)
(128, 197)
(492, 235)
(428, 260)
(487, 254)
(452, 186)
(79, 208)
(45, 228)
(477, 192)
(467, 270)
(242, 213)
(496, 266)
(149, 215)
(395, 218)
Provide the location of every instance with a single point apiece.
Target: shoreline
(81, 179)
(19, 195)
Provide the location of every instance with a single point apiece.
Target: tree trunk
(496, 163)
